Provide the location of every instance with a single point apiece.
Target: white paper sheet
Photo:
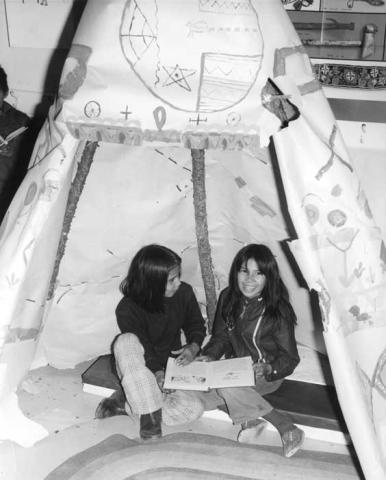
(235, 372)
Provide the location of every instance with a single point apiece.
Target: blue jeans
(242, 403)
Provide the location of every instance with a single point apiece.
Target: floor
(55, 399)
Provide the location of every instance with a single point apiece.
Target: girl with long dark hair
(254, 317)
(155, 309)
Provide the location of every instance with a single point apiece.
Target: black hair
(3, 81)
(275, 294)
(145, 283)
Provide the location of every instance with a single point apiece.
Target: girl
(155, 308)
(254, 317)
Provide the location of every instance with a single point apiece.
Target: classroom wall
(34, 71)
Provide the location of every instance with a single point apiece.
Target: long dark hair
(3, 81)
(145, 283)
(275, 293)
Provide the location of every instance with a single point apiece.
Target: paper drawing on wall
(205, 80)
(26, 17)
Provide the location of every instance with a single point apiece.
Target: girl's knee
(127, 342)
(181, 407)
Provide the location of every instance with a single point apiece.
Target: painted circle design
(233, 118)
(204, 57)
(312, 213)
(337, 218)
(92, 109)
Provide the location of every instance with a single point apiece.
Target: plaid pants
(141, 389)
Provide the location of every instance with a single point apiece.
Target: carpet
(194, 456)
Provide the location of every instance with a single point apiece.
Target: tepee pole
(201, 223)
(72, 202)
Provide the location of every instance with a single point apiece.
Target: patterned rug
(193, 456)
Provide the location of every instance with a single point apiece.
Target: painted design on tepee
(50, 140)
(74, 71)
(73, 76)
(333, 155)
(373, 385)
(92, 109)
(227, 7)
(379, 376)
(203, 81)
(50, 187)
(356, 311)
(284, 64)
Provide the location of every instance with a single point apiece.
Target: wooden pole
(72, 202)
(201, 222)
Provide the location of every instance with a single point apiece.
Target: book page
(235, 372)
(194, 376)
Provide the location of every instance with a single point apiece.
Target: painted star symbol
(177, 75)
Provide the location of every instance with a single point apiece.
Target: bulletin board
(350, 33)
(341, 35)
(42, 23)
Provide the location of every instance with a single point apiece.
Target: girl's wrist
(195, 348)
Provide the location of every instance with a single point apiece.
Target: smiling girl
(254, 317)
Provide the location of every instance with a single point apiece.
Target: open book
(235, 372)
(12, 135)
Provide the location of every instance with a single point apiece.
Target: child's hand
(204, 358)
(160, 377)
(261, 369)
(188, 354)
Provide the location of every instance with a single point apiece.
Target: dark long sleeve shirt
(12, 156)
(160, 333)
